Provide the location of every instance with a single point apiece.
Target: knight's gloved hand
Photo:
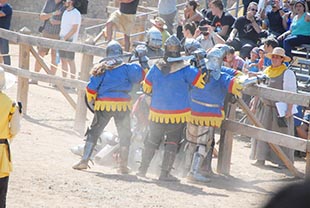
(140, 52)
(237, 87)
(201, 82)
(144, 62)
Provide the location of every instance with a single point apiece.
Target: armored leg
(83, 164)
(190, 150)
(194, 175)
(123, 169)
(147, 156)
(168, 160)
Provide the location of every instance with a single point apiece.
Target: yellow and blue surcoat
(170, 93)
(207, 104)
(110, 90)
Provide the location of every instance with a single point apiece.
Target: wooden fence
(27, 42)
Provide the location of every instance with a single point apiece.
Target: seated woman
(300, 29)
(190, 15)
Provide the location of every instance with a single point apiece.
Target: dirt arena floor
(43, 177)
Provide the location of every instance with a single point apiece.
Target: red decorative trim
(170, 111)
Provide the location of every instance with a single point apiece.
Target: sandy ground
(43, 176)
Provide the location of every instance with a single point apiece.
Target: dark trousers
(294, 40)
(244, 46)
(171, 134)
(4, 49)
(3, 190)
(102, 118)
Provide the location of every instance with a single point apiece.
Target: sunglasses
(254, 10)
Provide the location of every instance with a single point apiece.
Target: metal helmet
(154, 39)
(172, 47)
(215, 59)
(114, 49)
(191, 45)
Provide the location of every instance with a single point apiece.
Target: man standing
(167, 9)
(123, 19)
(51, 15)
(6, 12)
(69, 31)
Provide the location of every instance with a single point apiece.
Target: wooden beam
(278, 95)
(23, 87)
(81, 110)
(47, 70)
(50, 43)
(44, 77)
(226, 143)
(265, 135)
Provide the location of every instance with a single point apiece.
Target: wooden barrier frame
(27, 41)
(258, 132)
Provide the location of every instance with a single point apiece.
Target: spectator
(206, 35)
(222, 20)
(123, 19)
(300, 29)
(189, 30)
(288, 16)
(246, 4)
(274, 19)
(245, 33)
(261, 53)
(233, 61)
(160, 24)
(283, 79)
(269, 44)
(190, 15)
(6, 12)
(167, 9)
(51, 15)
(250, 66)
(9, 127)
(69, 31)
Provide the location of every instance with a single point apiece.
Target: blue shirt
(5, 21)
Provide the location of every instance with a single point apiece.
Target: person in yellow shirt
(9, 127)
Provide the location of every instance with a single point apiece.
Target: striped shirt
(49, 7)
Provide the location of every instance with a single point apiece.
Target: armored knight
(207, 112)
(169, 109)
(109, 85)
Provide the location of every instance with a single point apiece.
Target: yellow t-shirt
(6, 111)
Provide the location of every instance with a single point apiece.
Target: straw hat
(159, 22)
(6, 80)
(280, 52)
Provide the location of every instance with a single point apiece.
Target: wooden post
(24, 59)
(226, 142)
(81, 110)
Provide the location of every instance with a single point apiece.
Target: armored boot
(83, 164)
(188, 159)
(123, 152)
(194, 175)
(147, 156)
(207, 163)
(166, 167)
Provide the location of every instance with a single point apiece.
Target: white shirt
(289, 81)
(70, 18)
